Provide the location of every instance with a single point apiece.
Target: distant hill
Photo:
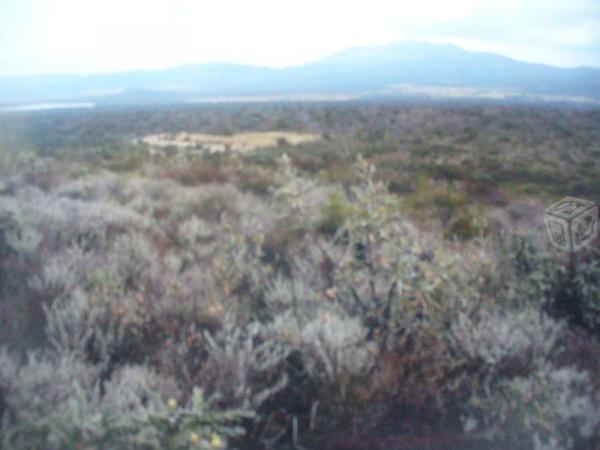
(398, 69)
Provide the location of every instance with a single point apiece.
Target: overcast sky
(85, 36)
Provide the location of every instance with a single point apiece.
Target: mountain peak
(395, 51)
(356, 72)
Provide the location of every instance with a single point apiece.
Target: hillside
(363, 72)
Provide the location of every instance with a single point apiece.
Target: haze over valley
(398, 70)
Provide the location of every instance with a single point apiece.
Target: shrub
(61, 220)
(464, 227)
(318, 306)
(550, 408)
(255, 180)
(562, 287)
(528, 271)
(59, 403)
(337, 350)
(243, 366)
(524, 399)
(194, 175)
(335, 213)
(296, 198)
(126, 160)
(378, 288)
(504, 338)
(582, 288)
(76, 327)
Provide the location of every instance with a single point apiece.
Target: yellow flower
(194, 438)
(216, 441)
(172, 403)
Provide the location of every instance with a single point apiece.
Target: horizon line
(259, 66)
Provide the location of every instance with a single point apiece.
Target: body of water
(46, 106)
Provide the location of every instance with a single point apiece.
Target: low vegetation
(387, 286)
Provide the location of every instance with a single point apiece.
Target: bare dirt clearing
(214, 143)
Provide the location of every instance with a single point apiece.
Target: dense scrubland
(388, 285)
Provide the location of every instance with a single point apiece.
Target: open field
(239, 142)
(278, 276)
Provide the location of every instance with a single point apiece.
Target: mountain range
(408, 68)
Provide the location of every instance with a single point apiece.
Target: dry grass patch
(215, 143)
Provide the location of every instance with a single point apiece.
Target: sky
(100, 36)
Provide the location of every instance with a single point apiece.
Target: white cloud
(109, 35)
